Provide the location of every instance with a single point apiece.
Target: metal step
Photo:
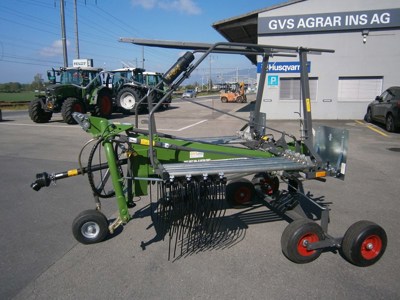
(229, 166)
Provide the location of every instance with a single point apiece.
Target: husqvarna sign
(371, 19)
(283, 67)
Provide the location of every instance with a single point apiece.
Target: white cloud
(183, 6)
(147, 4)
(55, 49)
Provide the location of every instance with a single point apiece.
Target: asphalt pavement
(40, 259)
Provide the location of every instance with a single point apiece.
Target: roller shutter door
(359, 89)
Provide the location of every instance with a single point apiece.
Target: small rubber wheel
(90, 227)
(224, 99)
(295, 238)
(240, 192)
(364, 243)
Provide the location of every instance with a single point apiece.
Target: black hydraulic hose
(100, 192)
(90, 172)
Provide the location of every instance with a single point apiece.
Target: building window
(290, 88)
(359, 89)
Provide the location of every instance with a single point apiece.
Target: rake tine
(191, 210)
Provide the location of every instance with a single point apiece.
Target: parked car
(189, 94)
(385, 109)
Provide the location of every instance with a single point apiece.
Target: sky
(30, 35)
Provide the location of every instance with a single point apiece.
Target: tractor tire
(37, 113)
(224, 99)
(104, 106)
(70, 106)
(295, 238)
(364, 243)
(127, 99)
(90, 227)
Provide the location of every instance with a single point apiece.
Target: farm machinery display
(130, 85)
(79, 89)
(193, 179)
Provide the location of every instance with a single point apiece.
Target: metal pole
(305, 99)
(143, 57)
(63, 35)
(260, 89)
(209, 81)
(76, 30)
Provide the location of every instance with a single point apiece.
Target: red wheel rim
(271, 185)
(242, 195)
(304, 241)
(371, 247)
(77, 108)
(105, 105)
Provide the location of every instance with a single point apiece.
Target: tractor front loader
(195, 178)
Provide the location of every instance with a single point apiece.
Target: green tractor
(79, 89)
(130, 85)
(152, 79)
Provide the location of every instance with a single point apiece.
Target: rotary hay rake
(194, 177)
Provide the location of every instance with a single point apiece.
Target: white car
(189, 94)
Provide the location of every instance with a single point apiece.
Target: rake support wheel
(240, 192)
(295, 238)
(90, 227)
(364, 243)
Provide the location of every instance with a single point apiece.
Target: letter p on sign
(273, 80)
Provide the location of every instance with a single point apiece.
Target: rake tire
(295, 238)
(364, 243)
(240, 192)
(90, 227)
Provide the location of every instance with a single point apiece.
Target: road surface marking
(372, 128)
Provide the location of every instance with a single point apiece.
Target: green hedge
(17, 97)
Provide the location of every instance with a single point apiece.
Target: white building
(365, 35)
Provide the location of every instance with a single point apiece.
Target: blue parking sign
(273, 80)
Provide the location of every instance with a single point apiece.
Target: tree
(11, 87)
(37, 82)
